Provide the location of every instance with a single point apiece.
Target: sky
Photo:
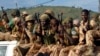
(85, 4)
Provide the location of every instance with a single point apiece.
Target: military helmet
(67, 20)
(24, 12)
(64, 21)
(29, 18)
(44, 17)
(76, 21)
(48, 11)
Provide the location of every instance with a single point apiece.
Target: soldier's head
(24, 14)
(29, 22)
(15, 13)
(69, 22)
(76, 22)
(4, 21)
(85, 14)
(50, 13)
(5, 24)
(54, 22)
(44, 20)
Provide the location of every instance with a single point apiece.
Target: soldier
(26, 36)
(94, 22)
(68, 24)
(75, 30)
(84, 26)
(44, 25)
(8, 25)
(93, 34)
(24, 15)
(62, 36)
(41, 34)
(29, 20)
(15, 17)
(5, 20)
(53, 29)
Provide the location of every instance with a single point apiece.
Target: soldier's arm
(30, 35)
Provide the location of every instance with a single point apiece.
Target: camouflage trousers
(91, 35)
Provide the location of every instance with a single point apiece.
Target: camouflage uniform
(53, 29)
(37, 33)
(62, 37)
(83, 28)
(26, 36)
(68, 27)
(94, 33)
(16, 21)
(44, 25)
(41, 33)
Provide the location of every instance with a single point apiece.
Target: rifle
(3, 11)
(16, 6)
(37, 17)
(58, 16)
(38, 14)
(61, 17)
(4, 14)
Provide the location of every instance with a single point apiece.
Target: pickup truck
(7, 47)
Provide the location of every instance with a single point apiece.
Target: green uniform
(11, 23)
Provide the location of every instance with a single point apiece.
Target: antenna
(16, 5)
(44, 3)
(15, 2)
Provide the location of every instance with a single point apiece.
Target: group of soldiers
(45, 35)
